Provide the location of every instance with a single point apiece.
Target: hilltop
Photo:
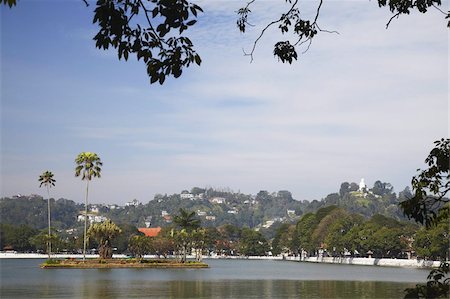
(214, 207)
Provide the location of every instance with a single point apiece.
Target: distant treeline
(330, 231)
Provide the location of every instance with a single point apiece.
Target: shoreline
(365, 261)
(361, 261)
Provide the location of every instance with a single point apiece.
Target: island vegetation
(120, 263)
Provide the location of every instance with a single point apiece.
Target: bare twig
(318, 11)
(85, 2)
(439, 9)
(267, 27)
(327, 31)
(390, 20)
(309, 45)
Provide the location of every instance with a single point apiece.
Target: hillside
(213, 207)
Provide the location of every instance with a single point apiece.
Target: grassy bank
(120, 263)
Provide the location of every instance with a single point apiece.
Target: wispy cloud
(368, 102)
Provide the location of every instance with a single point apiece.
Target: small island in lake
(121, 263)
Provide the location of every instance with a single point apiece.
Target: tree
(282, 242)
(103, 233)
(430, 186)
(436, 287)
(429, 206)
(40, 241)
(163, 244)
(253, 243)
(139, 245)
(188, 223)
(46, 179)
(186, 220)
(16, 237)
(89, 167)
(323, 227)
(304, 30)
(158, 40)
(338, 237)
(381, 189)
(433, 242)
(304, 228)
(199, 242)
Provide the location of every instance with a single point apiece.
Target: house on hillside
(201, 213)
(186, 195)
(92, 218)
(218, 200)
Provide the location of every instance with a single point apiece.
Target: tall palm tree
(188, 223)
(88, 167)
(46, 179)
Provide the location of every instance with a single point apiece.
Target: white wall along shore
(362, 261)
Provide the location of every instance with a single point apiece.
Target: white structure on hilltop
(133, 203)
(362, 186)
(187, 196)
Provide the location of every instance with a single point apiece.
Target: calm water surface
(22, 278)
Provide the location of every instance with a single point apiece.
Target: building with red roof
(150, 231)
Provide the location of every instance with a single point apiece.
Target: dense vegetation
(238, 209)
(349, 222)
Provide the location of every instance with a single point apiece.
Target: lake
(22, 278)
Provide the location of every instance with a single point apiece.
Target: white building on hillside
(218, 200)
(133, 203)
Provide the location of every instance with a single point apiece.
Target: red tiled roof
(150, 232)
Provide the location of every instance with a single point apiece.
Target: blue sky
(368, 103)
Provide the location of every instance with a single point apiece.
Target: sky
(365, 103)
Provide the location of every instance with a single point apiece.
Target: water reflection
(213, 289)
(235, 279)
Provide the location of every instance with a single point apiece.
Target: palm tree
(88, 166)
(186, 220)
(46, 179)
(103, 233)
(188, 223)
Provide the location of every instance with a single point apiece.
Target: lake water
(22, 278)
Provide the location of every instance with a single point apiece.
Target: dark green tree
(430, 186)
(303, 232)
(139, 245)
(433, 242)
(429, 206)
(281, 241)
(253, 243)
(17, 237)
(152, 30)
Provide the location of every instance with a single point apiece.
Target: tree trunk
(105, 251)
(49, 241)
(85, 220)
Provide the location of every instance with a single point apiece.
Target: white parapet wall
(363, 261)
